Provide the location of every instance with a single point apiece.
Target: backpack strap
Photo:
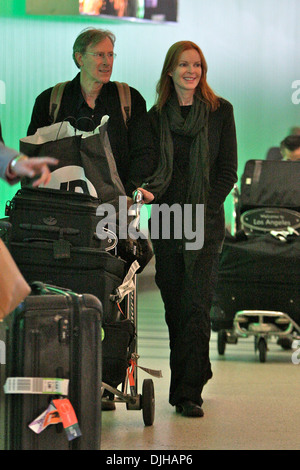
(55, 100)
(57, 93)
(125, 99)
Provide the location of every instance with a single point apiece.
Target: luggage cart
(257, 293)
(128, 392)
(262, 325)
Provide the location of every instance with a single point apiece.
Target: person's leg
(187, 298)
(169, 279)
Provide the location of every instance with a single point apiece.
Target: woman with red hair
(194, 134)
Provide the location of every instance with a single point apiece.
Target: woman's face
(96, 63)
(187, 73)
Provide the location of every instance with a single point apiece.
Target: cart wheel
(221, 342)
(148, 402)
(262, 349)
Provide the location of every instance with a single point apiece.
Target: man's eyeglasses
(102, 55)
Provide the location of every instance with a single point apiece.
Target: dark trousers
(187, 298)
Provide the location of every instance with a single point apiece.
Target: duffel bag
(82, 270)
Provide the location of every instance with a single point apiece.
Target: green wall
(252, 50)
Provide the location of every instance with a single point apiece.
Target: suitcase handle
(39, 288)
(49, 228)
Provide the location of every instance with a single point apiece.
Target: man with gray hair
(90, 96)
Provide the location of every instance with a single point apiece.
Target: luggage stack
(259, 268)
(57, 331)
(54, 241)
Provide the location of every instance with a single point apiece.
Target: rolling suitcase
(55, 334)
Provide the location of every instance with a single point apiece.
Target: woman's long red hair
(165, 84)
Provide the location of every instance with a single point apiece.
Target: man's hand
(34, 166)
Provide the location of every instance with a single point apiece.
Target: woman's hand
(147, 196)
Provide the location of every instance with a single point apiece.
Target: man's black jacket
(132, 148)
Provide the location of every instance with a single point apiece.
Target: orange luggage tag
(58, 411)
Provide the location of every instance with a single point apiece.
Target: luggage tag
(58, 411)
(68, 418)
(39, 385)
(49, 416)
(133, 363)
(128, 284)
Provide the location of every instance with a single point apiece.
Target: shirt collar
(80, 99)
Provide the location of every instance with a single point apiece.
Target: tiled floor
(247, 404)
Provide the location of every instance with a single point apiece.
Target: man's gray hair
(90, 37)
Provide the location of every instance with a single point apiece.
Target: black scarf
(195, 126)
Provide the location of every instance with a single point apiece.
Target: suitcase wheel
(148, 402)
(221, 342)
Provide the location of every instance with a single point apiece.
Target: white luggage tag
(127, 285)
(50, 386)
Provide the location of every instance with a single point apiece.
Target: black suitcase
(83, 270)
(267, 183)
(55, 335)
(259, 273)
(49, 214)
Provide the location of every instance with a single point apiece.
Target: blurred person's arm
(13, 166)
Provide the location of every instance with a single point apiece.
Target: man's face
(97, 62)
(289, 155)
